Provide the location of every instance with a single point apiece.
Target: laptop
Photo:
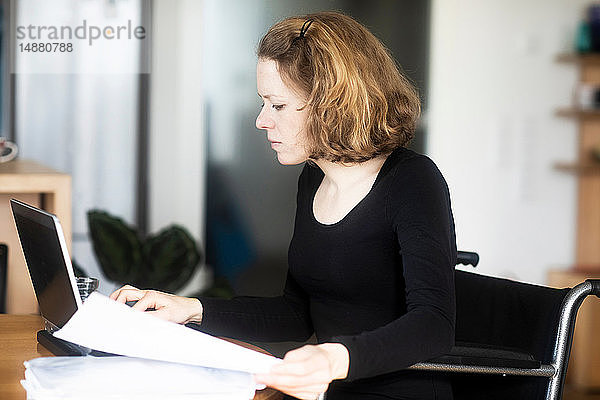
(45, 250)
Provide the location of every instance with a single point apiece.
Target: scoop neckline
(382, 171)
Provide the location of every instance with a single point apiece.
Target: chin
(289, 159)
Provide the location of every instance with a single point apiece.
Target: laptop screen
(52, 277)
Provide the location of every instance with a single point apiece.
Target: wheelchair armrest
(468, 354)
(595, 286)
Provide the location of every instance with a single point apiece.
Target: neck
(343, 176)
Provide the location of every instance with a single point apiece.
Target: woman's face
(280, 116)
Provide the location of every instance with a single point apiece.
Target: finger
(129, 294)
(148, 300)
(126, 295)
(293, 381)
(115, 294)
(314, 389)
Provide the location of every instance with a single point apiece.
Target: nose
(263, 121)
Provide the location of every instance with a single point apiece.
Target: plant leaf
(171, 256)
(117, 247)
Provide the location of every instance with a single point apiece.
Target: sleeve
(262, 319)
(419, 211)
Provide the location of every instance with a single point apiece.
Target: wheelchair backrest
(504, 313)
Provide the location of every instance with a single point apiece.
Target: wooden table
(18, 343)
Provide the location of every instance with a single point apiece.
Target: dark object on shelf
(165, 261)
(583, 40)
(3, 268)
(593, 15)
(596, 153)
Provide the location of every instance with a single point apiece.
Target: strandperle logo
(84, 31)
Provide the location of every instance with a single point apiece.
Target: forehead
(269, 82)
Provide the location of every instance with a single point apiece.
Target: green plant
(77, 270)
(165, 261)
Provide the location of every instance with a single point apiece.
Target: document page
(130, 378)
(105, 325)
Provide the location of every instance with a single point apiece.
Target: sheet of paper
(127, 377)
(105, 325)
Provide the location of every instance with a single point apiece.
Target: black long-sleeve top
(380, 281)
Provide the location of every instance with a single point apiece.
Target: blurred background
(160, 131)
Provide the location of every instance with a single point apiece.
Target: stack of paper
(171, 361)
(65, 378)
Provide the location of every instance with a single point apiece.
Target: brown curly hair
(359, 104)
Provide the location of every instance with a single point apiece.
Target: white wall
(176, 135)
(494, 87)
(177, 154)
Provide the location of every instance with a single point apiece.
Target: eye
(278, 107)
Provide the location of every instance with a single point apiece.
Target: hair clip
(303, 30)
(305, 27)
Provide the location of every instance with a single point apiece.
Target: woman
(372, 257)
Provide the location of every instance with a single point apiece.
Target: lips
(274, 144)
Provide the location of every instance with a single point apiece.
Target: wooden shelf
(39, 186)
(583, 371)
(577, 113)
(578, 168)
(574, 58)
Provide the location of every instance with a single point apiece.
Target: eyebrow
(268, 96)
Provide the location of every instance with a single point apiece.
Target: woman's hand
(166, 306)
(306, 372)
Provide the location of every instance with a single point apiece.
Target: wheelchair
(512, 339)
